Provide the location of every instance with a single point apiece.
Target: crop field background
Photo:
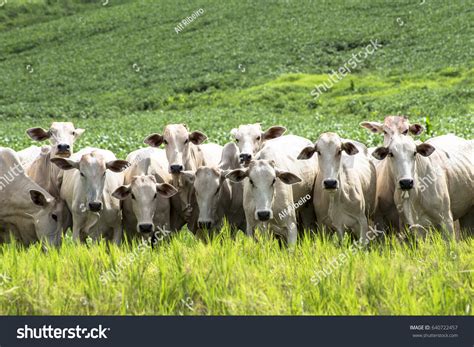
(121, 71)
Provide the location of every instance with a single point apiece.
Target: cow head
(92, 169)
(262, 178)
(177, 141)
(393, 126)
(330, 149)
(209, 182)
(47, 217)
(144, 193)
(250, 139)
(62, 136)
(402, 153)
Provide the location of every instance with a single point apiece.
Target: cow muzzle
(330, 184)
(176, 168)
(264, 216)
(95, 206)
(63, 150)
(245, 158)
(145, 227)
(406, 184)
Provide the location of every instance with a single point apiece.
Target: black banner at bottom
(173, 331)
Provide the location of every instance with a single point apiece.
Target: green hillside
(237, 62)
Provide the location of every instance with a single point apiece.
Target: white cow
(344, 190)
(184, 151)
(433, 181)
(146, 192)
(275, 182)
(386, 214)
(26, 209)
(91, 176)
(250, 139)
(61, 136)
(214, 196)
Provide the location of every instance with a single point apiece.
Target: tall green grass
(184, 276)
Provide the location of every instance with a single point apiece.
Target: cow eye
(104, 173)
(385, 133)
(274, 180)
(237, 140)
(165, 142)
(133, 196)
(217, 191)
(81, 174)
(414, 154)
(73, 133)
(55, 217)
(258, 138)
(251, 182)
(154, 197)
(405, 132)
(186, 141)
(390, 154)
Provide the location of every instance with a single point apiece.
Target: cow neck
(196, 158)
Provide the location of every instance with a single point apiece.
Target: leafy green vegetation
(121, 72)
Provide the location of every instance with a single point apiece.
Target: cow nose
(406, 183)
(245, 157)
(176, 168)
(145, 227)
(64, 147)
(204, 225)
(263, 215)
(330, 184)
(95, 206)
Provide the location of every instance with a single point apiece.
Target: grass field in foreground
(184, 276)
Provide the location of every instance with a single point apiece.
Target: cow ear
(416, 129)
(237, 175)
(122, 192)
(349, 148)
(234, 131)
(287, 177)
(273, 132)
(117, 165)
(38, 198)
(307, 152)
(65, 164)
(374, 127)
(425, 149)
(78, 133)
(223, 173)
(380, 153)
(166, 190)
(154, 140)
(38, 134)
(197, 137)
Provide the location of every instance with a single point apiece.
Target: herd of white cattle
(278, 183)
